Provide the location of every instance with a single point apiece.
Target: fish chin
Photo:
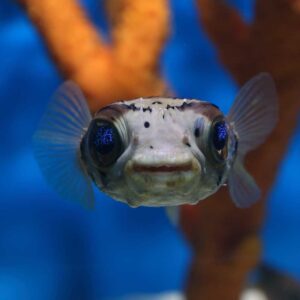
(163, 185)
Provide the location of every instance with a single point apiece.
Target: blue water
(53, 249)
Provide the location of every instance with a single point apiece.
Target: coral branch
(136, 50)
(127, 68)
(225, 238)
(233, 34)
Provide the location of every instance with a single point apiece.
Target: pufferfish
(154, 151)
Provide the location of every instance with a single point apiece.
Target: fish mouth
(162, 168)
(162, 183)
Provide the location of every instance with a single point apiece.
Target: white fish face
(159, 151)
(154, 151)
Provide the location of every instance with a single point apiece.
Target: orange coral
(127, 68)
(225, 238)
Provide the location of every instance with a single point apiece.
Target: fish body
(154, 151)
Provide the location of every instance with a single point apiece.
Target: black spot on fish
(151, 147)
(156, 102)
(197, 132)
(185, 105)
(170, 107)
(146, 124)
(131, 106)
(147, 108)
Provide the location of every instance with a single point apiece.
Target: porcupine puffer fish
(154, 151)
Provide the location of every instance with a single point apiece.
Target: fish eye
(219, 137)
(105, 143)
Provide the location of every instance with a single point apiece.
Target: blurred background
(54, 249)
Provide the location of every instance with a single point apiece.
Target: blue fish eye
(220, 135)
(104, 139)
(105, 143)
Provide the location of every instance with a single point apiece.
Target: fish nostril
(185, 141)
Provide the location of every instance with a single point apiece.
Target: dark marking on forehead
(183, 106)
(147, 109)
(170, 106)
(208, 109)
(131, 106)
(186, 104)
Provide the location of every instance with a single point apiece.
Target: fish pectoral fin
(253, 116)
(242, 186)
(56, 144)
(254, 112)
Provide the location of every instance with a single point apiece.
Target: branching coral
(225, 238)
(127, 68)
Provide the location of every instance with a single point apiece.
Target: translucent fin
(242, 187)
(56, 144)
(173, 214)
(253, 115)
(254, 112)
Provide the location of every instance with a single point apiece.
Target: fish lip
(186, 167)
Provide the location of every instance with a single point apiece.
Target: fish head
(159, 151)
